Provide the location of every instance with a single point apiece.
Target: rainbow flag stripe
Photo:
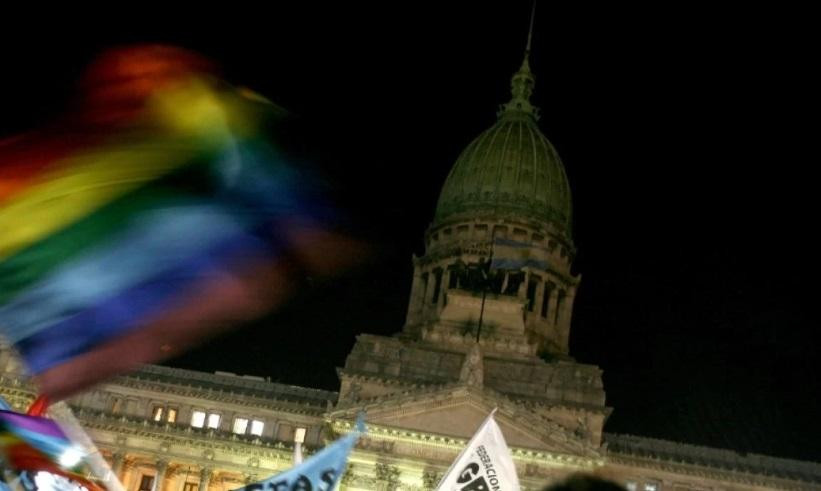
(102, 236)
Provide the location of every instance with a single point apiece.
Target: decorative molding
(140, 441)
(719, 464)
(550, 432)
(220, 396)
(342, 426)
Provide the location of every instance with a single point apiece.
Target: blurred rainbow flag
(127, 243)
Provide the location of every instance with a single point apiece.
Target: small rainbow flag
(34, 444)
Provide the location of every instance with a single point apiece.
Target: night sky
(686, 136)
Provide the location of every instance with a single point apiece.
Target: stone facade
(415, 430)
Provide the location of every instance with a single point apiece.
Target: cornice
(342, 426)
(422, 388)
(711, 462)
(550, 432)
(179, 434)
(221, 396)
(704, 472)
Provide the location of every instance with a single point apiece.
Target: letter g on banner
(468, 473)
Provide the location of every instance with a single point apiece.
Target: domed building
(487, 327)
(505, 213)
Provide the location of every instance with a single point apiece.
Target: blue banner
(319, 472)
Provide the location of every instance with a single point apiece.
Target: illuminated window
(190, 486)
(651, 487)
(214, 420)
(172, 415)
(256, 427)
(116, 405)
(631, 486)
(299, 435)
(240, 425)
(157, 414)
(198, 419)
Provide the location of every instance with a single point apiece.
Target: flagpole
(482, 308)
(62, 415)
(486, 277)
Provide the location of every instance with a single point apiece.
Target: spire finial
(521, 86)
(530, 31)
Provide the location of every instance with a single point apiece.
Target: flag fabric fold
(320, 471)
(110, 231)
(485, 464)
(32, 444)
(511, 254)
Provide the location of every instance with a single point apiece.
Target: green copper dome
(509, 169)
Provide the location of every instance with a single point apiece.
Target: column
(429, 287)
(522, 293)
(564, 318)
(551, 304)
(561, 301)
(443, 288)
(537, 301)
(117, 464)
(416, 294)
(205, 478)
(159, 478)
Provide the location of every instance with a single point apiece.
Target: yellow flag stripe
(87, 183)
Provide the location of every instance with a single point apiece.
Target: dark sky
(686, 135)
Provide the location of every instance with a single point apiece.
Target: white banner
(484, 465)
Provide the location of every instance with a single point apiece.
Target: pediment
(458, 411)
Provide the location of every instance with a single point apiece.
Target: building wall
(119, 416)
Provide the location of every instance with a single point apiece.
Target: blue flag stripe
(123, 312)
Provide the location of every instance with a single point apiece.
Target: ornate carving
(356, 389)
(582, 430)
(348, 476)
(387, 476)
(379, 446)
(430, 478)
(364, 482)
(205, 478)
(472, 373)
